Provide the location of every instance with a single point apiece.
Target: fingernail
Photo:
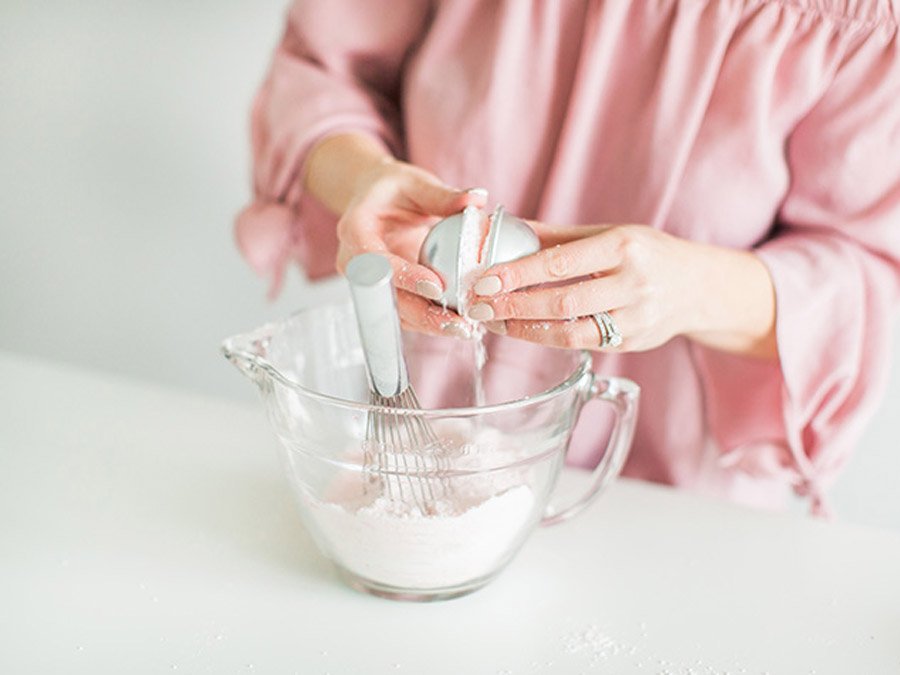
(488, 286)
(480, 312)
(498, 327)
(456, 329)
(428, 289)
(478, 192)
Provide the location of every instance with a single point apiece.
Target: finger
(554, 235)
(565, 261)
(408, 276)
(580, 333)
(422, 316)
(430, 197)
(414, 328)
(560, 302)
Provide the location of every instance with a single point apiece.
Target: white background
(123, 160)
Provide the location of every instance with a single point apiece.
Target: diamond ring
(609, 332)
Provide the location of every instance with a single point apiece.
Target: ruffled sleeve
(337, 68)
(835, 264)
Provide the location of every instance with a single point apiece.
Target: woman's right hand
(392, 208)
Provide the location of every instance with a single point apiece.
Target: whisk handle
(375, 302)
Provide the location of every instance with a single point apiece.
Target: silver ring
(609, 332)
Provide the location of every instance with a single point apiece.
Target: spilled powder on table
(593, 642)
(602, 649)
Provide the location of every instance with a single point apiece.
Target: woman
(725, 174)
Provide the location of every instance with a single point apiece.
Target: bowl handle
(624, 395)
(248, 351)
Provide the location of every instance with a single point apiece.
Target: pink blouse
(770, 125)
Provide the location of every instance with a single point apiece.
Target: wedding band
(609, 332)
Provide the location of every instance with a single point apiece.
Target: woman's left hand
(654, 286)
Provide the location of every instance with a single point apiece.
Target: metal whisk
(402, 453)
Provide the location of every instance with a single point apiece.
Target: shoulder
(848, 13)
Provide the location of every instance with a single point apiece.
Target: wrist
(371, 172)
(734, 308)
(340, 166)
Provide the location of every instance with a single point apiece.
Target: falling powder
(469, 265)
(471, 235)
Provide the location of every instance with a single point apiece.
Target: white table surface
(149, 530)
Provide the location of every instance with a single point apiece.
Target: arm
(737, 314)
(388, 206)
(340, 166)
(833, 264)
(654, 285)
(337, 69)
(325, 130)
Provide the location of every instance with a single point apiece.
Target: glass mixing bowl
(403, 520)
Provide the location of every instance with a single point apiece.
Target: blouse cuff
(285, 223)
(798, 418)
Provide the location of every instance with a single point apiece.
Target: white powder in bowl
(466, 534)
(396, 544)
